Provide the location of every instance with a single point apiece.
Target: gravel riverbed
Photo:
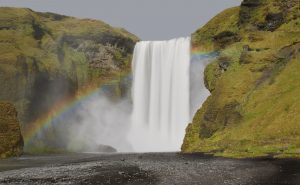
(148, 168)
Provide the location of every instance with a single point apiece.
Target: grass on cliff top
(202, 39)
(17, 39)
(14, 17)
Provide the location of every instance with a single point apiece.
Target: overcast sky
(148, 19)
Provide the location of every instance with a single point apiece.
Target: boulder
(10, 134)
(105, 149)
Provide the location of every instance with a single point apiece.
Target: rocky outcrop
(254, 103)
(226, 38)
(98, 149)
(46, 58)
(10, 133)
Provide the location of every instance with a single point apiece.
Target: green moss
(46, 58)
(10, 134)
(203, 38)
(253, 108)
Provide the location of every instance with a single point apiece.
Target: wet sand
(148, 168)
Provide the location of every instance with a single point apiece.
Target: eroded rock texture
(11, 140)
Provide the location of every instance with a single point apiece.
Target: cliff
(10, 134)
(254, 106)
(46, 58)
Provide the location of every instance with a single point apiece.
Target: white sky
(148, 19)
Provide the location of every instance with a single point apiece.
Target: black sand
(149, 168)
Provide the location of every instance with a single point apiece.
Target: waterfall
(161, 95)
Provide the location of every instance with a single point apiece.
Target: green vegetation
(50, 47)
(254, 105)
(10, 134)
(46, 58)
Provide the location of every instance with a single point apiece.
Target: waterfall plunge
(168, 89)
(161, 95)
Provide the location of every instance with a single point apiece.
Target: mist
(198, 91)
(97, 123)
(102, 122)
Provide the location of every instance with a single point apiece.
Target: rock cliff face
(254, 105)
(46, 57)
(10, 134)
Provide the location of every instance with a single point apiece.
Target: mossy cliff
(46, 57)
(254, 106)
(11, 141)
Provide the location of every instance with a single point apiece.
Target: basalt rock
(226, 38)
(248, 8)
(95, 148)
(251, 3)
(224, 63)
(105, 149)
(267, 15)
(272, 22)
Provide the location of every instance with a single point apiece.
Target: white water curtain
(161, 95)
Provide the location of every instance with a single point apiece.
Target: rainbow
(62, 107)
(198, 54)
(58, 110)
